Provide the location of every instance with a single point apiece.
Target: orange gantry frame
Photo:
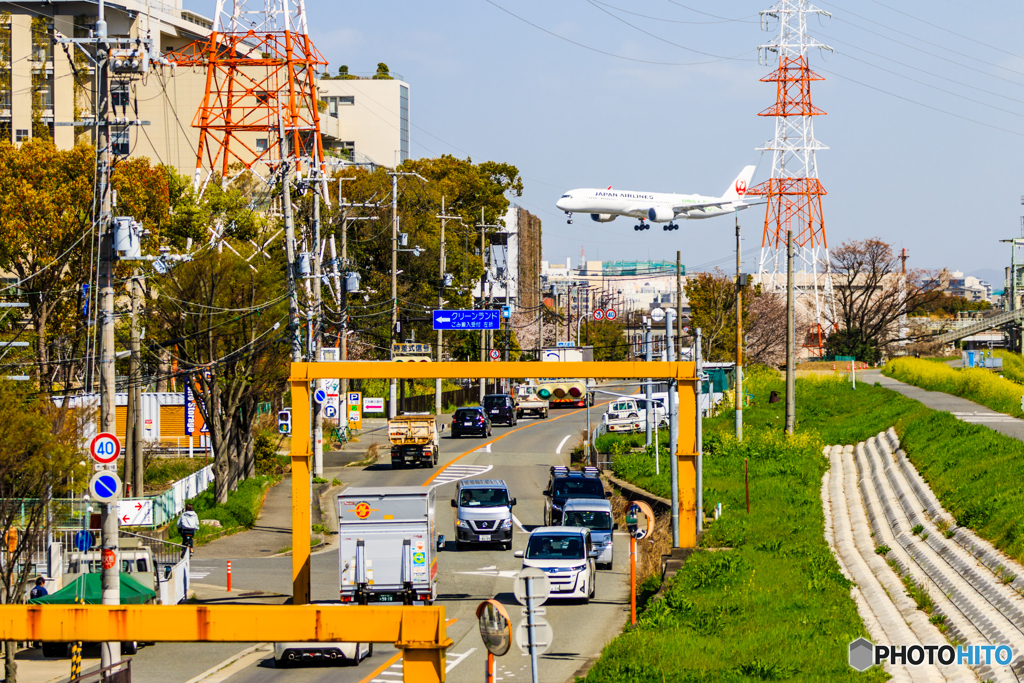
(419, 631)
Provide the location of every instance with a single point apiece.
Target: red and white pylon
(794, 192)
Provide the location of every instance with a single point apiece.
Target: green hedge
(239, 512)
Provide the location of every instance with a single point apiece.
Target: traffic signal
(284, 422)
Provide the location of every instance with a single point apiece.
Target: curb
(636, 491)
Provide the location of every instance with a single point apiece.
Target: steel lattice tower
(794, 191)
(260, 84)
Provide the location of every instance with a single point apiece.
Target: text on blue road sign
(467, 320)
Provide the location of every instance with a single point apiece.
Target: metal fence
(454, 397)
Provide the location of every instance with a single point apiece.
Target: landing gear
(670, 226)
(641, 226)
(568, 215)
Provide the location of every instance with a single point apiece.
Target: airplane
(605, 205)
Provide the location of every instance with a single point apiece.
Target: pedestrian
(188, 525)
(39, 590)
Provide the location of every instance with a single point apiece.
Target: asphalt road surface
(522, 457)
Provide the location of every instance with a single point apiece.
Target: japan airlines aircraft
(605, 205)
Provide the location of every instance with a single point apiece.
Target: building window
(120, 141)
(46, 94)
(21, 134)
(261, 144)
(346, 100)
(119, 94)
(404, 106)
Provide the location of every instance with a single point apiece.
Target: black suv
(565, 484)
(500, 408)
(470, 421)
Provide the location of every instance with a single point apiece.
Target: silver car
(595, 515)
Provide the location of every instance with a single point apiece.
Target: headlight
(578, 569)
(507, 523)
(462, 523)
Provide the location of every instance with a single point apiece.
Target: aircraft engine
(661, 214)
(602, 217)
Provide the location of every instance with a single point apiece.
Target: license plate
(495, 411)
(485, 537)
(385, 598)
(470, 424)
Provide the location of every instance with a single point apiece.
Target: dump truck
(388, 545)
(414, 440)
(528, 403)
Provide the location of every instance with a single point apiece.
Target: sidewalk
(960, 408)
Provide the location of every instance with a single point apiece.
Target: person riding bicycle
(188, 525)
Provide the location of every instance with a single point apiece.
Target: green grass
(162, 472)
(237, 514)
(775, 606)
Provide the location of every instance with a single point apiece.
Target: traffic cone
(833, 367)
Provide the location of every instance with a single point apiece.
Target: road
(522, 457)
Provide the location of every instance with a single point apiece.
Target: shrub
(975, 384)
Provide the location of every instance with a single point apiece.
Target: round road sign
(539, 586)
(319, 396)
(598, 314)
(658, 314)
(330, 411)
(105, 448)
(611, 314)
(543, 634)
(495, 354)
(495, 627)
(83, 540)
(105, 486)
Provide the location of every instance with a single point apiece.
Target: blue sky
(924, 151)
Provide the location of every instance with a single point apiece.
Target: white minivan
(566, 555)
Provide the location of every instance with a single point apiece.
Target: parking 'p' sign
(105, 448)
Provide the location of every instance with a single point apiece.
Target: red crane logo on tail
(741, 187)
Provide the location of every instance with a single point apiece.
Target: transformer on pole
(794, 191)
(260, 67)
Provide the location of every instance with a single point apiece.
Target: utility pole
(442, 270)
(393, 403)
(679, 301)
(485, 280)
(315, 345)
(138, 466)
(110, 653)
(790, 338)
(739, 336)
(673, 428)
(289, 242)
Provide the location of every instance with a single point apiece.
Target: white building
(372, 117)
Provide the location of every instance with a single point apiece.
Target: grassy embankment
(775, 606)
(237, 514)
(162, 472)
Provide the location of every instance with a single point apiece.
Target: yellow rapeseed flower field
(981, 386)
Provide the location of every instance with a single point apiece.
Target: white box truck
(388, 545)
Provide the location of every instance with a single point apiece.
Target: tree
(713, 309)
(872, 294)
(765, 334)
(41, 447)
(227, 324)
(850, 342)
(609, 341)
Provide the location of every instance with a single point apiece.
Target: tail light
(480, 419)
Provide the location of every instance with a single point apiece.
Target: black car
(565, 484)
(500, 408)
(470, 421)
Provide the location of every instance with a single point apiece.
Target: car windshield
(579, 488)
(597, 520)
(485, 498)
(467, 414)
(494, 401)
(555, 547)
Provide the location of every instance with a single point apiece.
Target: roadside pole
(647, 388)
(700, 432)
(531, 626)
(673, 427)
(440, 303)
(315, 345)
(393, 394)
(790, 339)
(739, 345)
(632, 579)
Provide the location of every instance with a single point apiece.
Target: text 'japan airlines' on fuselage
(605, 205)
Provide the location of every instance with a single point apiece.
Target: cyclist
(188, 524)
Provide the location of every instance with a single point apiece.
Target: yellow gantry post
(301, 494)
(686, 460)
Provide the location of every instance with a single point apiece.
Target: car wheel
(54, 650)
(458, 545)
(130, 647)
(506, 546)
(593, 587)
(396, 465)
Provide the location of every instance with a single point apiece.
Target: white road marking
(457, 472)
(500, 574)
(518, 523)
(983, 417)
(393, 670)
(486, 569)
(558, 451)
(198, 574)
(457, 658)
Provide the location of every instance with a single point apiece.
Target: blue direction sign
(467, 320)
(83, 541)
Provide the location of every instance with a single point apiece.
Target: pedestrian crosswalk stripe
(457, 472)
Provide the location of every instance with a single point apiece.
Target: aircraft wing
(683, 208)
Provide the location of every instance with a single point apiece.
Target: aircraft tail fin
(739, 187)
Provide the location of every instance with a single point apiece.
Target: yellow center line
(383, 666)
(499, 438)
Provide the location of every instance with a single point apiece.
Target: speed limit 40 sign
(105, 448)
